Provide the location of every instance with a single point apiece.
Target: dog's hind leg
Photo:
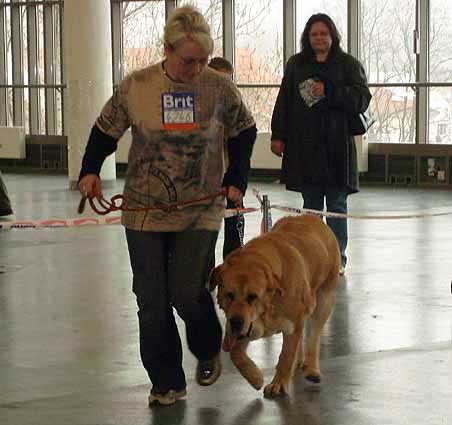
(325, 303)
(300, 354)
(245, 365)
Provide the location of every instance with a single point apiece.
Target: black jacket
(319, 150)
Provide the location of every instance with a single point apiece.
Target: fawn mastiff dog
(274, 284)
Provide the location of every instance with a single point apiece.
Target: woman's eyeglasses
(191, 62)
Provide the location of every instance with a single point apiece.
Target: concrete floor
(69, 340)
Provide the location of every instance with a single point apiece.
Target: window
(142, 33)
(259, 55)
(440, 98)
(388, 57)
(30, 66)
(31, 75)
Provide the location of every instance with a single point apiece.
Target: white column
(290, 29)
(228, 10)
(354, 28)
(88, 75)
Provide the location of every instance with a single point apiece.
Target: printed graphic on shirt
(172, 169)
(160, 189)
(305, 89)
(178, 111)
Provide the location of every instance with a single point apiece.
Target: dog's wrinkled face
(244, 293)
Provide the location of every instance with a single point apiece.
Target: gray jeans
(170, 270)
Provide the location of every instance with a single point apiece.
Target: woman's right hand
(90, 186)
(277, 147)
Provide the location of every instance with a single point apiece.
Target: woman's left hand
(234, 195)
(318, 89)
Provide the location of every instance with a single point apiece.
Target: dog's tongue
(228, 343)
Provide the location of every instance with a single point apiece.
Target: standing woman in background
(179, 112)
(323, 88)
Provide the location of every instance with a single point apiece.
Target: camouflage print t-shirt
(176, 153)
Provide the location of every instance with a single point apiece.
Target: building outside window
(31, 66)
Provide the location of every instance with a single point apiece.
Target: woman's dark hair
(306, 49)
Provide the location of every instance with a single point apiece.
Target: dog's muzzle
(236, 324)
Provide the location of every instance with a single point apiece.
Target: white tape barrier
(420, 214)
(239, 211)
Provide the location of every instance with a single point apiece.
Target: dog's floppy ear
(215, 277)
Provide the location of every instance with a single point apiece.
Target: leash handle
(82, 204)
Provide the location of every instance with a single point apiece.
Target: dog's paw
(311, 374)
(276, 389)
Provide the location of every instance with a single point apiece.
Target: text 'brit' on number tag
(178, 111)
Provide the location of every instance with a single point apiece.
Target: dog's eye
(251, 298)
(230, 296)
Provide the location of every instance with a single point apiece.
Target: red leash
(117, 203)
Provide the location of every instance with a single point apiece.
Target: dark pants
(335, 202)
(234, 228)
(170, 270)
(5, 203)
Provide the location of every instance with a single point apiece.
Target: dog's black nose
(236, 325)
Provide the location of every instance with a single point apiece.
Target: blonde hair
(187, 22)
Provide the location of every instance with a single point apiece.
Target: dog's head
(246, 287)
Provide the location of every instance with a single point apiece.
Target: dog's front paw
(311, 374)
(276, 389)
(247, 367)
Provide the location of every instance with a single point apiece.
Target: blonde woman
(179, 112)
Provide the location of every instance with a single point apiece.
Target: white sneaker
(342, 271)
(166, 399)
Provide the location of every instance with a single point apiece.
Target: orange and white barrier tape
(55, 222)
(90, 221)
